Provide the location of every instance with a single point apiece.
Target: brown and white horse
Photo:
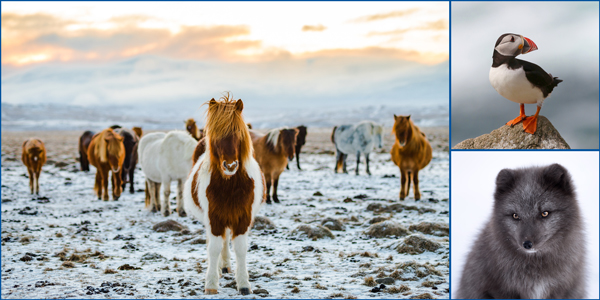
(411, 152)
(272, 152)
(34, 157)
(225, 190)
(190, 126)
(107, 153)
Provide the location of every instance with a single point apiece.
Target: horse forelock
(222, 121)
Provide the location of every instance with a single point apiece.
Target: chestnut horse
(34, 157)
(411, 152)
(190, 126)
(225, 190)
(107, 153)
(272, 152)
(84, 143)
(130, 141)
(138, 131)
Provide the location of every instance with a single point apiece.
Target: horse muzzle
(229, 169)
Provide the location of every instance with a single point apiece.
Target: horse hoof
(153, 210)
(225, 270)
(269, 201)
(276, 200)
(182, 214)
(210, 291)
(245, 291)
(166, 214)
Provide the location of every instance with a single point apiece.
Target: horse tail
(333, 134)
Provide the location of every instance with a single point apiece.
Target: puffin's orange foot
(516, 120)
(530, 124)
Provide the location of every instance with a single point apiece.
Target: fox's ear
(556, 176)
(504, 181)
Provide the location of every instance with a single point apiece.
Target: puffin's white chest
(514, 86)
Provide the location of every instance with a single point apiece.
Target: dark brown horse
(130, 141)
(84, 143)
(272, 151)
(34, 157)
(225, 190)
(107, 153)
(300, 141)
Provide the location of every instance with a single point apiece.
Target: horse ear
(212, 102)
(408, 118)
(239, 105)
(395, 117)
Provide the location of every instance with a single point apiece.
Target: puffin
(518, 80)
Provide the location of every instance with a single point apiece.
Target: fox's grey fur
(520, 253)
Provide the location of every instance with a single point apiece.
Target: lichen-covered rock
(261, 223)
(439, 229)
(168, 225)
(386, 228)
(377, 220)
(507, 137)
(152, 256)
(333, 224)
(417, 244)
(314, 232)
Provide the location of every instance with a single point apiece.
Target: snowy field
(67, 244)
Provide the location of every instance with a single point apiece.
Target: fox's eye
(515, 216)
(545, 214)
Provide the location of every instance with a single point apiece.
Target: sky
(273, 55)
(473, 184)
(566, 34)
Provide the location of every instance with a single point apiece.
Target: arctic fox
(533, 245)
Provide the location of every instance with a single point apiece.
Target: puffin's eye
(512, 38)
(545, 214)
(516, 217)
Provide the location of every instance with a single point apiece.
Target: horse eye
(545, 214)
(515, 216)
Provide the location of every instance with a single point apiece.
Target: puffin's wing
(535, 74)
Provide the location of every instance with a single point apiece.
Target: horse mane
(273, 136)
(106, 144)
(223, 120)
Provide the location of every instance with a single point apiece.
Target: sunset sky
(273, 55)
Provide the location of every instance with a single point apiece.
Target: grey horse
(358, 138)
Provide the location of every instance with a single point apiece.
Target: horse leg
(338, 161)
(166, 206)
(367, 159)
(37, 181)
(30, 179)
(345, 156)
(214, 247)
(180, 209)
(98, 185)
(131, 171)
(123, 180)
(150, 195)
(157, 195)
(408, 179)
(403, 176)
(268, 184)
(240, 246)
(225, 258)
(357, 161)
(104, 176)
(275, 184)
(416, 183)
(117, 188)
(287, 166)
(298, 158)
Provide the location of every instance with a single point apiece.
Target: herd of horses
(225, 171)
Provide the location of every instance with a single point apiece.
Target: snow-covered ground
(60, 245)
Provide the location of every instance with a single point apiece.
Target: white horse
(358, 138)
(164, 158)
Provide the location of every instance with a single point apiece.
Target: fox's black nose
(527, 245)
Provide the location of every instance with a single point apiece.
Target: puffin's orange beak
(528, 46)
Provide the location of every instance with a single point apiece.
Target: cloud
(313, 27)
(439, 25)
(378, 17)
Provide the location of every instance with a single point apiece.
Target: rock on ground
(312, 232)
(168, 225)
(333, 224)
(417, 244)
(439, 229)
(506, 137)
(386, 228)
(261, 223)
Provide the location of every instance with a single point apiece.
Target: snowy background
(473, 183)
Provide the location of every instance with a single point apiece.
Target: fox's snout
(528, 245)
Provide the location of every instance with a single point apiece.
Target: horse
(411, 152)
(34, 157)
(300, 141)
(130, 141)
(107, 153)
(165, 158)
(358, 138)
(84, 144)
(272, 152)
(190, 126)
(138, 131)
(225, 190)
